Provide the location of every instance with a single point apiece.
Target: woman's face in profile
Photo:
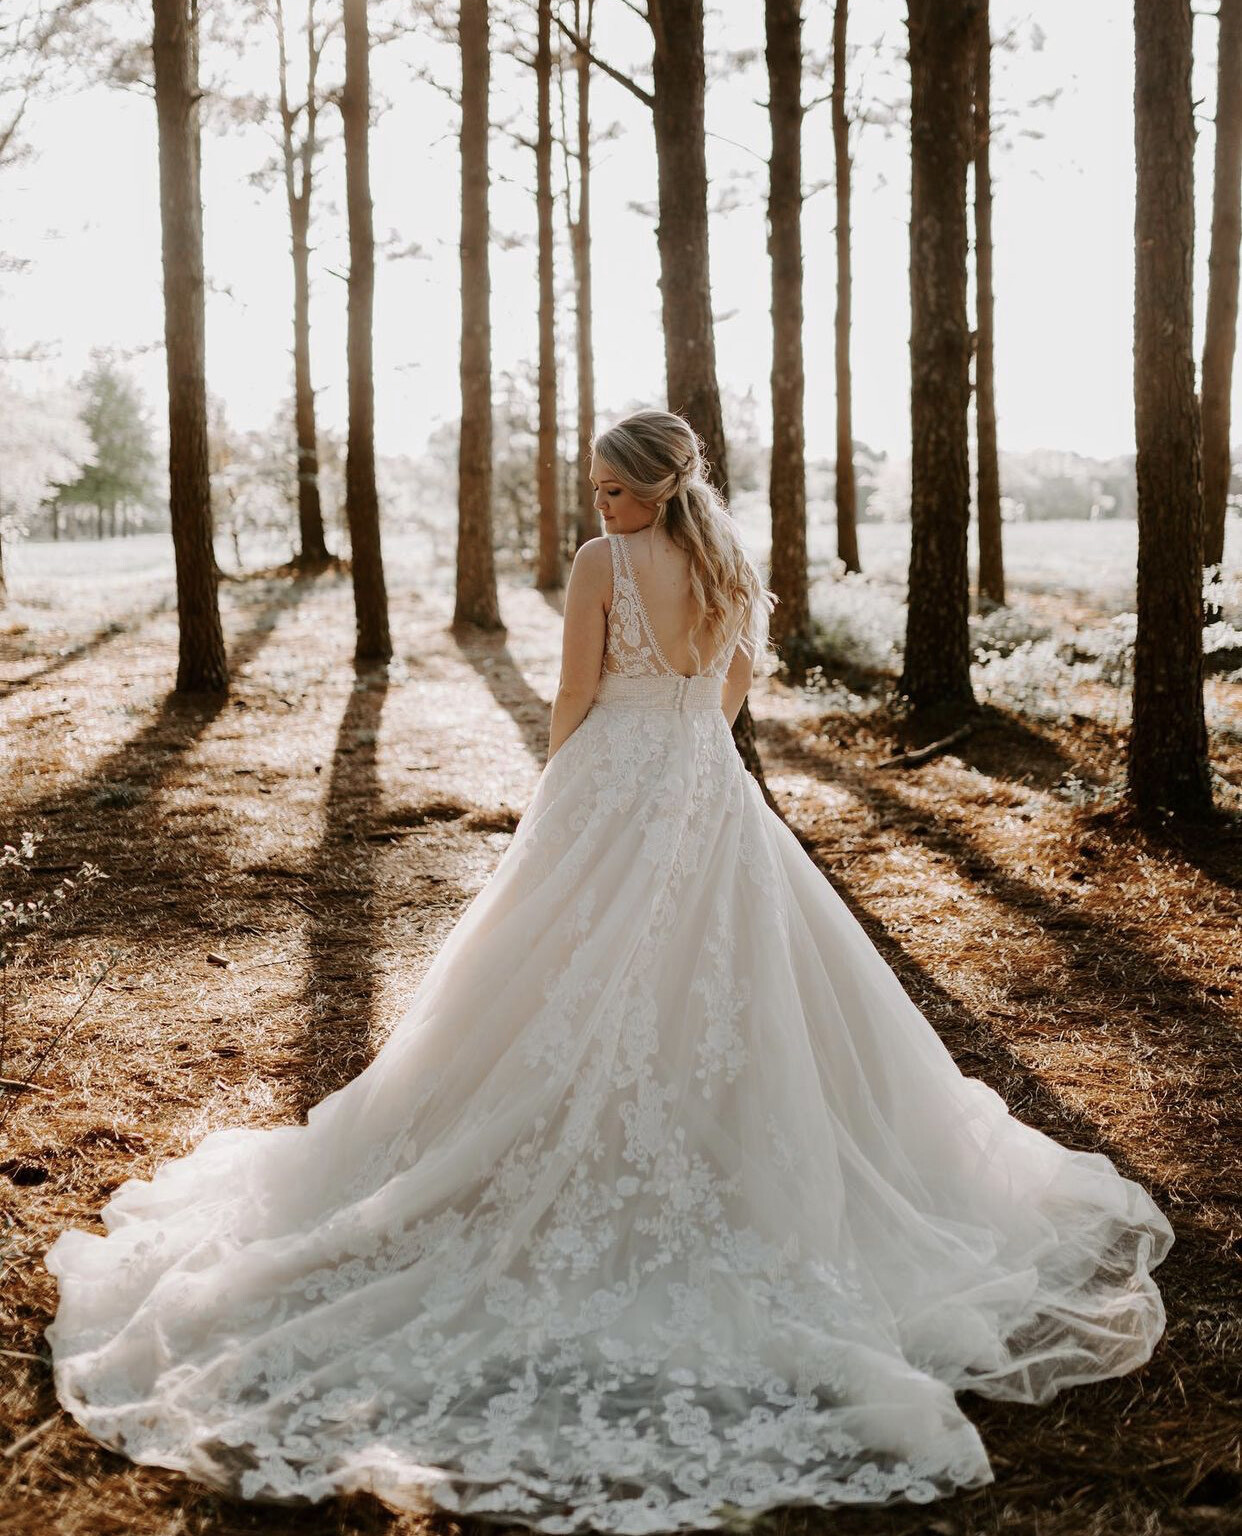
(621, 512)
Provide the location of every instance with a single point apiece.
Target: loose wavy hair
(658, 457)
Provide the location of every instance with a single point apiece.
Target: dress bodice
(632, 651)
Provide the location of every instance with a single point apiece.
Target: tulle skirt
(661, 1205)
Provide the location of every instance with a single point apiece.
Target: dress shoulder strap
(618, 568)
(640, 607)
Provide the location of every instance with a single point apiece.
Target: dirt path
(283, 866)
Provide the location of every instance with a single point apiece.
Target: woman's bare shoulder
(592, 568)
(594, 558)
(595, 549)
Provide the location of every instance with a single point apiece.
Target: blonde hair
(658, 457)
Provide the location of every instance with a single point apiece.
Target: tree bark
(588, 518)
(477, 601)
(791, 619)
(685, 278)
(846, 485)
(937, 654)
(685, 281)
(202, 666)
(361, 497)
(991, 552)
(677, 104)
(550, 575)
(1220, 336)
(313, 547)
(1167, 763)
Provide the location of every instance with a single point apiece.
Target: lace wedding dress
(662, 1204)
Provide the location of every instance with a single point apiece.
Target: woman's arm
(582, 640)
(736, 684)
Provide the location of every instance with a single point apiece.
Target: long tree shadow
(1213, 845)
(1000, 742)
(112, 814)
(488, 653)
(104, 636)
(342, 975)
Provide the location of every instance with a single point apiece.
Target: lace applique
(721, 1049)
(628, 652)
(631, 649)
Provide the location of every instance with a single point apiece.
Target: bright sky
(85, 212)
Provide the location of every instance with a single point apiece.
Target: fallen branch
(921, 754)
(17, 1084)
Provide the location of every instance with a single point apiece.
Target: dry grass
(319, 832)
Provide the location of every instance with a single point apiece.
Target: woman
(663, 1204)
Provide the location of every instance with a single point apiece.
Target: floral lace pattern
(661, 1206)
(632, 649)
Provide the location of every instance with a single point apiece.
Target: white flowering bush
(833, 697)
(1033, 678)
(15, 915)
(1003, 631)
(1223, 589)
(860, 622)
(1074, 790)
(1018, 662)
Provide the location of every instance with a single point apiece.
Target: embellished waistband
(664, 692)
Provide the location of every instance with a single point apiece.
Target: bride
(662, 1204)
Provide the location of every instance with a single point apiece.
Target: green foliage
(125, 469)
(42, 439)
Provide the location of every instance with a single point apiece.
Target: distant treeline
(1039, 486)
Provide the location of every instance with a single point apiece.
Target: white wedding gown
(662, 1204)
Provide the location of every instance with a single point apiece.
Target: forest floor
(282, 865)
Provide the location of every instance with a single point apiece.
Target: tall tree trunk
(937, 654)
(1220, 337)
(1167, 763)
(685, 278)
(313, 549)
(549, 574)
(991, 551)
(791, 619)
(685, 286)
(846, 486)
(361, 497)
(588, 518)
(477, 601)
(202, 665)
(685, 281)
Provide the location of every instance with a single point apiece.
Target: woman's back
(652, 611)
